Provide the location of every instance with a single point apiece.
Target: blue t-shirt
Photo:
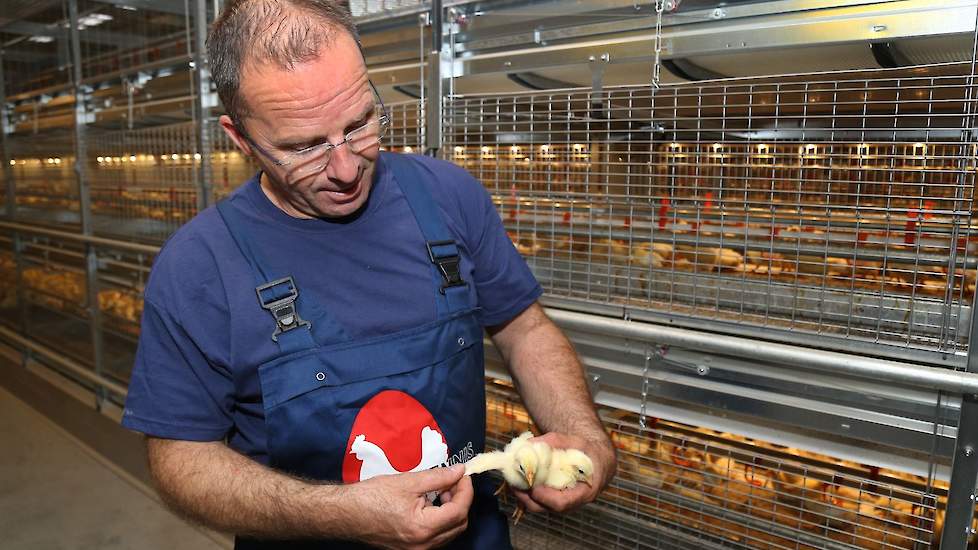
(204, 334)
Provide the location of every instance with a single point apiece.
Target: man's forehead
(321, 83)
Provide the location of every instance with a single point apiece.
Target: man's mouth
(348, 194)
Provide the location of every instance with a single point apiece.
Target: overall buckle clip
(279, 297)
(448, 265)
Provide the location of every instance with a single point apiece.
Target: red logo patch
(393, 433)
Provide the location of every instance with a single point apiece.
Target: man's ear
(236, 136)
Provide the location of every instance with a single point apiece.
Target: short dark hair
(282, 32)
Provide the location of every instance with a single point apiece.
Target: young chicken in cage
(740, 486)
(683, 464)
(884, 522)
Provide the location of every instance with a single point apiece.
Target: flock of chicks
(64, 290)
(827, 498)
(643, 257)
(525, 464)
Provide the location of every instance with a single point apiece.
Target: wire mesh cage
(405, 134)
(681, 486)
(118, 39)
(142, 181)
(837, 205)
(34, 62)
(229, 167)
(44, 184)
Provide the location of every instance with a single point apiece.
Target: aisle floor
(54, 495)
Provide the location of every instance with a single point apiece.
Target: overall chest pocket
(313, 398)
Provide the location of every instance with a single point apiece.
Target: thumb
(438, 479)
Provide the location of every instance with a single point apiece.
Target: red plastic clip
(663, 212)
(910, 230)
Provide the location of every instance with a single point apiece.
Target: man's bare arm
(218, 487)
(548, 374)
(550, 380)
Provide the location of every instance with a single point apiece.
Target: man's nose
(344, 164)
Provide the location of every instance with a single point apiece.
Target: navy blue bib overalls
(406, 401)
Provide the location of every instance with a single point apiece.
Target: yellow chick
(522, 463)
(518, 462)
(525, 464)
(568, 467)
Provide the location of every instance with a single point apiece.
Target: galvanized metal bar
(84, 197)
(964, 467)
(435, 94)
(10, 204)
(74, 237)
(964, 472)
(828, 25)
(811, 359)
(202, 81)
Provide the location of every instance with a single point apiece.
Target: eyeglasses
(313, 160)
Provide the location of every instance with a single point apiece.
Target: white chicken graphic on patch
(434, 452)
(393, 433)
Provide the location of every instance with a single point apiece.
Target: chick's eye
(580, 471)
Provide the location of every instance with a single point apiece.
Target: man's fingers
(453, 513)
(436, 479)
(560, 500)
(462, 493)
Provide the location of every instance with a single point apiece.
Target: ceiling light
(41, 39)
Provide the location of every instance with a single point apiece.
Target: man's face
(316, 102)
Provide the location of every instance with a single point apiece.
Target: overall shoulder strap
(452, 291)
(276, 290)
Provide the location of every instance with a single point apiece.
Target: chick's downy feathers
(525, 464)
(519, 462)
(567, 468)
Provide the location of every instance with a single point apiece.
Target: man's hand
(218, 487)
(541, 498)
(402, 515)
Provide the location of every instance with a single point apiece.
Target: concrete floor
(55, 495)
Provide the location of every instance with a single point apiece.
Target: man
(324, 323)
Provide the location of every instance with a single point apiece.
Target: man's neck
(270, 191)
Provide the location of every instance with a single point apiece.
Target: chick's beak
(529, 477)
(588, 481)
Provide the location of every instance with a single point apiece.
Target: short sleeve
(175, 392)
(181, 385)
(504, 283)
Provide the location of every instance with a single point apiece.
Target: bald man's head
(278, 32)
